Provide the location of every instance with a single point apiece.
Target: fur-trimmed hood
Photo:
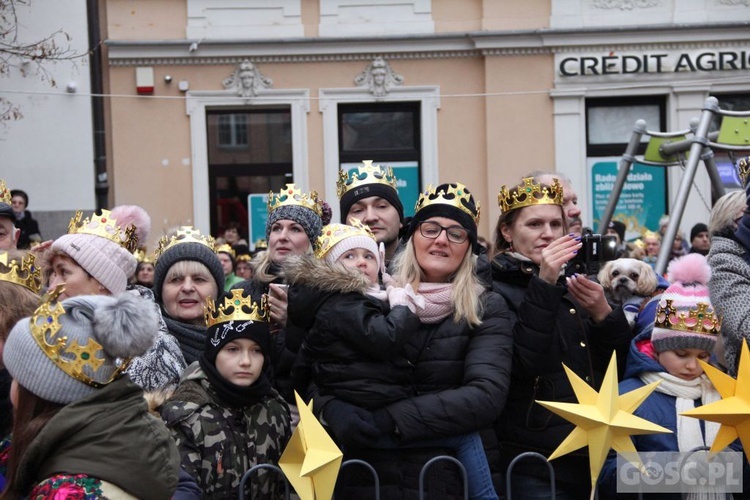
(319, 275)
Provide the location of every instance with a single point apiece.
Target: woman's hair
(30, 416)
(507, 219)
(466, 302)
(188, 268)
(262, 263)
(721, 221)
(16, 302)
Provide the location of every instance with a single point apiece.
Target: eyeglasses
(432, 230)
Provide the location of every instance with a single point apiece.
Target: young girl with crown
(225, 416)
(556, 321)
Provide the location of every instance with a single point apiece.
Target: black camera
(595, 250)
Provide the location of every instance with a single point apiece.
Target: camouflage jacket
(218, 444)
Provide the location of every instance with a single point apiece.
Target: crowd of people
(130, 374)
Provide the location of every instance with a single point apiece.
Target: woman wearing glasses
(457, 360)
(557, 320)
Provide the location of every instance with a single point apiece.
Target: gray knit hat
(305, 217)
(191, 250)
(67, 350)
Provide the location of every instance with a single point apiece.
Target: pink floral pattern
(68, 487)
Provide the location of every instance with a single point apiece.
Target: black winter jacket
(353, 347)
(550, 329)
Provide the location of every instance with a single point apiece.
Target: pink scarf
(438, 301)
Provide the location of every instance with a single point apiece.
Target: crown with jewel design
(529, 193)
(743, 168)
(5, 193)
(334, 233)
(70, 356)
(456, 196)
(367, 173)
(104, 226)
(23, 273)
(142, 256)
(185, 234)
(239, 307)
(700, 319)
(292, 196)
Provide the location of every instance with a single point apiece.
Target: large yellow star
(733, 411)
(603, 419)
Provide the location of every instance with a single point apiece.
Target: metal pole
(717, 185)
(622, 174)
(700, 140)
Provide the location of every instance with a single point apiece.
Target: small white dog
(628, 282)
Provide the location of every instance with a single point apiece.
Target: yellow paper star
(603, 419)
(733, 411)
(311, 461)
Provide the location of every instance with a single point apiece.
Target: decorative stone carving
(626, 4)
(247, 80)
(378, 77)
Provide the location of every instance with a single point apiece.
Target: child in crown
(225, 416)
(670, 353)
(353, 344)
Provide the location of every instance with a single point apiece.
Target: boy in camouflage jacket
(225, 416)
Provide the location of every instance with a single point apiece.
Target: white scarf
(689, 434)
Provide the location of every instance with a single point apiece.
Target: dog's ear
(604, 275)
(647, 281)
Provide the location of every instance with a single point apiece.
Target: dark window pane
(384, 130)
(249, 137)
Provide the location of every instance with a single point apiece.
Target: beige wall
(146, 19)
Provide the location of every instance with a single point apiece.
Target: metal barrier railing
(523, 456)
(447, 458)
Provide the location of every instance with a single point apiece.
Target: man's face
(8, 234)
(19, 204)
(570, 203)
(380, 215)
(701, 241)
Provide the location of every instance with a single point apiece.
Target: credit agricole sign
(652, 63)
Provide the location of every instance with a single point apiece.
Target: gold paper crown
(5, 193)
(640, 244)
(365, 174)
(24, 273)
(243, 257)
(260, 244)
(455, 196)
(292, 196)
(141, 255)
(331, 234)
(71, 357)
(697, 320)
(743, 168)
(529, 193)
(185, 234)
(651, 234)
(242, 308)
(105, 226)
(226, 249)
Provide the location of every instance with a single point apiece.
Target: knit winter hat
(186, 244)
(367, 181)
(104, 244)
(67, 350)
(291, 204)
(453, 201)
(619, 228)
(236, 316)
(685, 318)
(697, 229)
(337, 239)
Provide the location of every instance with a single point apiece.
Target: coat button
(572, 311)
(588, 379)
(583, 344)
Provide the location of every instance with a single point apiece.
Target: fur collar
(318, 274)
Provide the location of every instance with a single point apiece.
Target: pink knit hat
(109, 262)
(685, 318)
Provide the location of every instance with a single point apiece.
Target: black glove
(352, 427)
(384, 422)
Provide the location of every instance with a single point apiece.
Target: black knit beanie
(187, 251)
(367, 191)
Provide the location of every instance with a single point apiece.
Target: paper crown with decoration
(225, 248)
(238, 307)
(367, 173)
(454, 195)
(650, 234)
(185, 234)
(104, 226)
(142, 256)
(5, 193)
(743, 169)
(24, 273)
(698, 319)
(291, 195)
(332, 234)
(529, 193)
(260, 244)
(68, 355)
